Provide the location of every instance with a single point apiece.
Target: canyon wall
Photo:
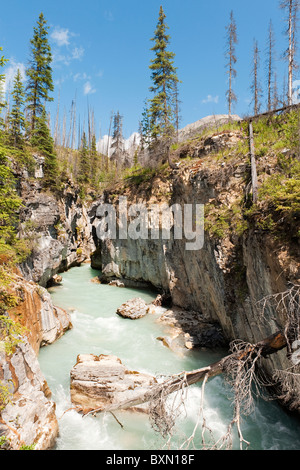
(225, 280)
(58, 228)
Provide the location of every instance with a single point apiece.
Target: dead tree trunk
(264, 348)
(253, 164)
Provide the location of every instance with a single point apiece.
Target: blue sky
(101, 52)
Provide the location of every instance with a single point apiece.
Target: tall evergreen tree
(164, 78)
(231, 32)
(117, 139)
(39, 73)
(43, 140)
(144, 128)
(84, 163)
(16, 118)
(94, 159)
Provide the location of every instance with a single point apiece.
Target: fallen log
(264, 348)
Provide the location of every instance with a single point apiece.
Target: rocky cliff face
(223, 281)
(59, 230)
(28, 420)
(29, 417)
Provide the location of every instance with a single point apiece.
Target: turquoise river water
(97, 329)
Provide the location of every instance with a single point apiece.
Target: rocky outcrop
(223, 281)
(133, 309)
(29, 419)
(43, 322)
(187, 328)
(192, 130)
(98, 382)
(58, 228)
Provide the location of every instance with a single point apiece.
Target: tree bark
(253, 164)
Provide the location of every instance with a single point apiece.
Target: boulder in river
(98, 382)
(133, 309)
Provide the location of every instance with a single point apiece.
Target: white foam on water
(97, 329)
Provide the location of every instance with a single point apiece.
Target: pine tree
(144, 128)
(164, 78)
(291, 7)
(117, 139)
(16, 118)
(39, 73)
(9, 201)
(231, 32)
(94, 159)
(84, 163)
(43, 140)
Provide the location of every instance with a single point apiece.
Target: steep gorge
(240, 264)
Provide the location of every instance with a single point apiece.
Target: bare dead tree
(231, 31)
(287, 305)
(276, 100)
(239, 369)
(255, 87)
(270, 67)
(291, 7)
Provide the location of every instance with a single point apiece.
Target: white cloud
(61, 36)
(211, 99)
(10, 73)
(296, 92)
(81, 76)
(78, 53)
(88, 89)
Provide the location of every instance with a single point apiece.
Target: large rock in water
(102, 381)
(133, 309)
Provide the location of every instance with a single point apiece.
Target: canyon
(221, 285)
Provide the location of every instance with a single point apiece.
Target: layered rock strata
(226, 279)
(98, 382)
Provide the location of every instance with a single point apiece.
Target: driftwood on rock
(264, 348)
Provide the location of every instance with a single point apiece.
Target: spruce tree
(16, 118)
(43, 140)
(117, 140)
(84, 163)
(94, 160)
(39, 73)
(161, 110)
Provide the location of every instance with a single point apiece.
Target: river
(97, 329)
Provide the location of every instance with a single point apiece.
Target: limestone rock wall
(29, 418)
(225, 280)
(58, 228)
(44, 323)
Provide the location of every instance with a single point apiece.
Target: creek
(97, 329)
